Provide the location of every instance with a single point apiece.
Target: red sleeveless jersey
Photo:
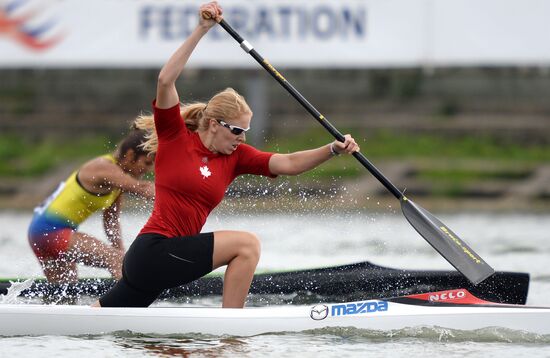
(190, 180)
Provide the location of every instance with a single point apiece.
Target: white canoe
(411, 311)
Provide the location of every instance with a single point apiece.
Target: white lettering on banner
(320, 22)
(291, 33)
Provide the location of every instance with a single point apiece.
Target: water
(508, 242)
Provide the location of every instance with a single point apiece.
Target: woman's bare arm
(167, 95)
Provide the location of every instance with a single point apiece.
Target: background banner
(290, 33)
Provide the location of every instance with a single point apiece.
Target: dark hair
(134, 140)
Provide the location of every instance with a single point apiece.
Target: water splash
(437, 334)
(15, 290)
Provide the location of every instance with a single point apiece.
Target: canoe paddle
(446, 242)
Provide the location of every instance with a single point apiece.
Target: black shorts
(154, 263)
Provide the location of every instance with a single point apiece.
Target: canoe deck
(363, 280)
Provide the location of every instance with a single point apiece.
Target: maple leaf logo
(205, 171)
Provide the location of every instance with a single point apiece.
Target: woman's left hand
(349, 146)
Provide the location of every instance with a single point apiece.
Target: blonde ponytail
(146, 123)
(225, 105)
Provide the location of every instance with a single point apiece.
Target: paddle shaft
(442, 239)
(309, 107)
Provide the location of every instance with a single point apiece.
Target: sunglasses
(234, 129)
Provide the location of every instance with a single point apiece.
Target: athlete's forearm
(299, 162)
(117, 243)
(173, 68)
(167, 95)
(143, 188)
(113, 233)
(305, 160)
(111, 225)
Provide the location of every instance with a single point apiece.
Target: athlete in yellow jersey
(95, 186)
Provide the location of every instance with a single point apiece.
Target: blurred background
(448, 99)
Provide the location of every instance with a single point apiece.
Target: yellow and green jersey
(71, 204)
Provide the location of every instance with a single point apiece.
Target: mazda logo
(319, 312)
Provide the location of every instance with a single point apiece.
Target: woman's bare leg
(90, 251)
(60, 270)
(240, 251)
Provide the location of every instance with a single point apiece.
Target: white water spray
(14, 290)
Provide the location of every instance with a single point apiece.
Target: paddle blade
(446, 242)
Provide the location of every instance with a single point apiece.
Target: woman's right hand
(146, 189)
(210, 14)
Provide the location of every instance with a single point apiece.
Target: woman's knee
(252, 247)
(229, 245)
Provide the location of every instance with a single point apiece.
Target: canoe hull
(79, 320)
